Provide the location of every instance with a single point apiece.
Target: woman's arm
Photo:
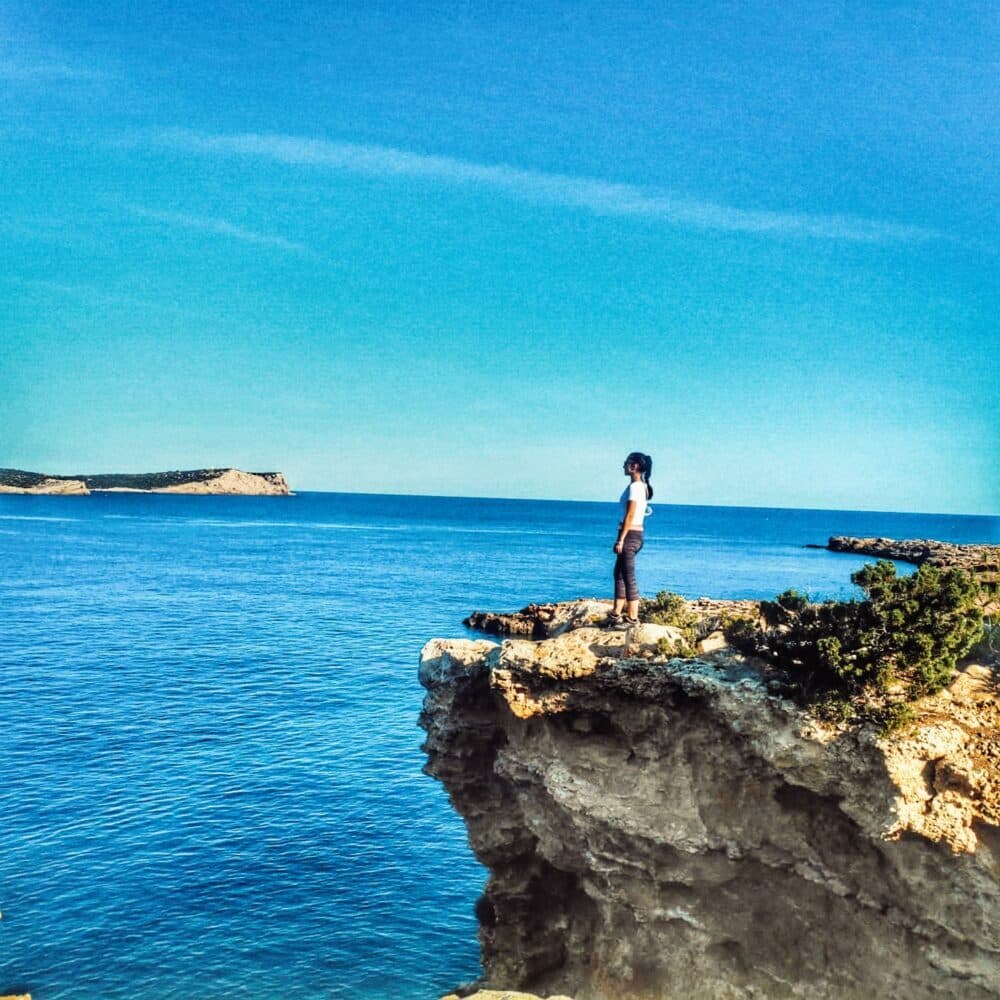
(626, 525)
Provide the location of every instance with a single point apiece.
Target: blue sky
(488, 249)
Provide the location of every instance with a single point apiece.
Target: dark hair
(645, 464)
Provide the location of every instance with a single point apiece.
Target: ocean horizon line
(575, 500)
(655, 502)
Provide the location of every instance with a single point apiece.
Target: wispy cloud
(598, 196)
(97, 297)
(46, 70)
(218, 227)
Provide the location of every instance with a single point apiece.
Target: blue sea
(211, 783)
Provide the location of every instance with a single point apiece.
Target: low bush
(904, 640)
(680, 648)
(783, 607)
(668, 608)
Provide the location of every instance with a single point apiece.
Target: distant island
(204, 482)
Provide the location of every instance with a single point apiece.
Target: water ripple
(212, 773)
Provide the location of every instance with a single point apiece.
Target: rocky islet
(218, 482)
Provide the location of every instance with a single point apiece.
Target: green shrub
(832, 707)
(792, 600)
(784, 607)
(680, 648)
(923, 624)
(895, 716)
(667, 608)
(742, 634)
(904, 640)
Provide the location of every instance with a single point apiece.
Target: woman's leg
(633, 542)
(619, 574)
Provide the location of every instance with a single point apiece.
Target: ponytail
(645, 464)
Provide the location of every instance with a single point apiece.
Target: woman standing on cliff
(630, 536)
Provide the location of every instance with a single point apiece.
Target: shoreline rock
(980, 561)
(540, 621)
(660, 827)
(916, 550)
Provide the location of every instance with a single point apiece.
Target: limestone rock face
(234, 482)
(51, 486)
(671, 828)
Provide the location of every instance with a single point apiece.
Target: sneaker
(630, 622)
(613, 621)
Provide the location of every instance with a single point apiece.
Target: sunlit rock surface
(43, 485)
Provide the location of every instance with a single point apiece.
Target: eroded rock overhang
(665, 828)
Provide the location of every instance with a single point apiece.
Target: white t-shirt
(637, 492)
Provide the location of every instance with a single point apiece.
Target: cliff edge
(660, 827)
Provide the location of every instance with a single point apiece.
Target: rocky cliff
(192, 481)
(661, 827)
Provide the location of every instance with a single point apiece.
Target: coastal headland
(662, 826)
(218, 482)
(981, 562)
